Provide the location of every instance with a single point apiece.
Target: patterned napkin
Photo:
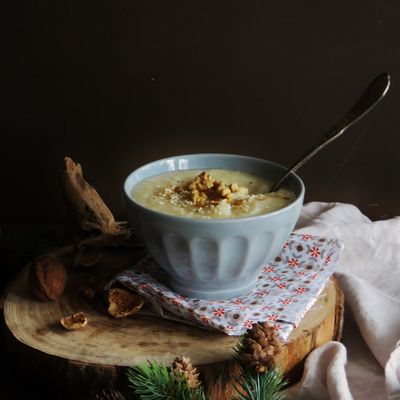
(286, 289)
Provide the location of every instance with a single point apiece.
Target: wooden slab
(107, 342)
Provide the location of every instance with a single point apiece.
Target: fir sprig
(266, 386)
(154, 381)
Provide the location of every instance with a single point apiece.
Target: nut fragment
(197, 197)
(123, 302)
(243, 190)
(202, 182)
(205, 190)
(74, 321)
(234, 187)
(47, 278)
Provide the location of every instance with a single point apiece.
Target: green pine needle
(266, 386)
(153, 381)
(239, 346)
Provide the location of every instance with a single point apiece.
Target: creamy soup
(215, 193)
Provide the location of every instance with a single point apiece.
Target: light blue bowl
(213, 258)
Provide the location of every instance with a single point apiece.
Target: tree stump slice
(96, 356)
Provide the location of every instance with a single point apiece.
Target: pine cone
(109, 394)
(185, 367)
(259, 348)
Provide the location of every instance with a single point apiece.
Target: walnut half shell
(123, 302)
(74, 321)
(47, 278)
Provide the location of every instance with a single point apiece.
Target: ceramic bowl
(212, 258)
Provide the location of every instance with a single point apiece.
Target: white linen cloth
(367, 364)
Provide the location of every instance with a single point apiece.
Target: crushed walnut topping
(205, 191)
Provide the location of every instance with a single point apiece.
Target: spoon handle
(367, 101)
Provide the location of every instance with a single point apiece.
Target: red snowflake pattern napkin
(286, 289)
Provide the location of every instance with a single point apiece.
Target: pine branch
(265, 386)
(153, 381)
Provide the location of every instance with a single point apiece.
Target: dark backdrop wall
(115, 84)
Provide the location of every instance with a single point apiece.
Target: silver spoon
(372, 95)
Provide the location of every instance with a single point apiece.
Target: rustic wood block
(97, 355)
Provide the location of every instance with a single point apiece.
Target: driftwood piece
(96, 356)
(92, 223)
(87, 210)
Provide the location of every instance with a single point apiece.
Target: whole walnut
(47, 278)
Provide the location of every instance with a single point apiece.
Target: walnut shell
(74, 321)
(123, 302)
(47, 278)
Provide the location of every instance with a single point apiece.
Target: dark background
(115, 84)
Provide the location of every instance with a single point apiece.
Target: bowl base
(212, 294)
